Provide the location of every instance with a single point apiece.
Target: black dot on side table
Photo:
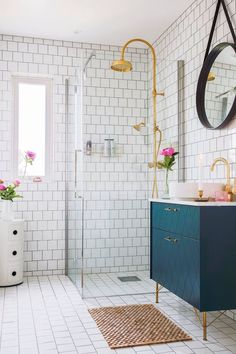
(14, 253)
(15, 232)
(13, 273)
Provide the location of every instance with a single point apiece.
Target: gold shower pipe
(156, 147)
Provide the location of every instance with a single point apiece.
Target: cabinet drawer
(180, 219)
(15, 272)
(11, 273)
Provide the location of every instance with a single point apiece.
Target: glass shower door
(74, 187)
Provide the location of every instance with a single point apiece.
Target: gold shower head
(139, 126)
(121, 65)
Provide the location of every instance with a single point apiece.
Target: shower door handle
(76, 162)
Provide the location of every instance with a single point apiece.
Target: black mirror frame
(201, 88)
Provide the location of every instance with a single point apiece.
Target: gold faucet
(228, 187)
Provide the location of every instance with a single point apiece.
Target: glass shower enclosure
(107, 182)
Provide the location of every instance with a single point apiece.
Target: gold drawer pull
(171, 209)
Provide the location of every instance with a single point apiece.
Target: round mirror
(216, 89)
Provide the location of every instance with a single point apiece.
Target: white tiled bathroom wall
(186, 39)
(115, 188)
(167, 114)
(43, 204)
(115, 191)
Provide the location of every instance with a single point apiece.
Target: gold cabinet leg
(157, 293)
(204, 325)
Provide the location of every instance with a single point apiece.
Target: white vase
(7, 210)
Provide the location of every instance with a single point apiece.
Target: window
(32, 125)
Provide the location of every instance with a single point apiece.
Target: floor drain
(129, 278)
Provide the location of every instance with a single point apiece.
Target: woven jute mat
(133, 325)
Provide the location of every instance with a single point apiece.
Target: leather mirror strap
(214, 24)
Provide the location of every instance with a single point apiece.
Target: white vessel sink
(181, 190)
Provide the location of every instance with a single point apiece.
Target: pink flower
(30, 155)
(2, 187)
(168, 151)
(16, 182)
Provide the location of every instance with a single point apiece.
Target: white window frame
(47, 82)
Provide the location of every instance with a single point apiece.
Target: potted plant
(7, 194)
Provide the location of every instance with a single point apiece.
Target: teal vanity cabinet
(193, 253)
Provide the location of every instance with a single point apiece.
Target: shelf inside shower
(98, 149)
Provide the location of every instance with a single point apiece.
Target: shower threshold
(109, 284)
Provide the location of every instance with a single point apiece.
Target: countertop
(193, 203)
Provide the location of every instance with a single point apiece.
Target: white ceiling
(96, 21)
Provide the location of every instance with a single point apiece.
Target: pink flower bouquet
(169, 158)
(167, 163)
(9, 192)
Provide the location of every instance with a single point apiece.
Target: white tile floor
(47, 315)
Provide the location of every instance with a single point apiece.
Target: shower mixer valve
(158, 93)
(152, 164)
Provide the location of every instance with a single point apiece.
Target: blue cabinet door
(165, 255)
(190, 259)
(175, 264)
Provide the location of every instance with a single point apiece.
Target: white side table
(11, 252)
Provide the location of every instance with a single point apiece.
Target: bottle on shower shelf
(113, 147)
(88, 150)
(109, 148)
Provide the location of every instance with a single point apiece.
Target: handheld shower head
(92, 54)
(139, 126)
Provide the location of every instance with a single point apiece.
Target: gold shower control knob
(157, 93)
(150, 164)
(153, 164)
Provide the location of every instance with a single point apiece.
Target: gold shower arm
(153, 57)
(156, 147)
(154, 92)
